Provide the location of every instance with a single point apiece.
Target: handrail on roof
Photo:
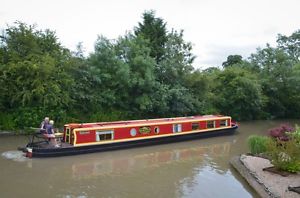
(140, 121)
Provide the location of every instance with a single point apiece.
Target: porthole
(133, 132)
(156, 130)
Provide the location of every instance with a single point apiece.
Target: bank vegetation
(146, 73)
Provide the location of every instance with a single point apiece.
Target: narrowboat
(79, 138)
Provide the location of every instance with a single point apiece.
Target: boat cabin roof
(159, 121)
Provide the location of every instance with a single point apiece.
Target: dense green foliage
(145, 74)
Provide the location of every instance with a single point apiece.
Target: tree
(200, 85)
(290, 45)
(135, 55)
(172, 54)
(124, 75)
(107, 75)
(178, 60)
(33, 72)
(238, 94)
(276, 68)
(154, 30)
(232, 60)
(294, 86)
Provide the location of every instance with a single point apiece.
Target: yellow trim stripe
(150, 137)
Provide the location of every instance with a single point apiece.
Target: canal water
(198, 168)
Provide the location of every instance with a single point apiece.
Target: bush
(285, 155)
(280, 132)
(28, 117)
(24, 118)
(7, 121)
(257, 144)
(108, 116)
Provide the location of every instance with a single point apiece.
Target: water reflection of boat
(103, 136)
(127, 164)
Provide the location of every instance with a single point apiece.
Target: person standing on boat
(50, 133)
(44, 124)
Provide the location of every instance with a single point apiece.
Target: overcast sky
(217, 28)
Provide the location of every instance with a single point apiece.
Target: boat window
(195, 125)
(104, 135)
(210, 124)
(156, 130)
(223, 123)
(133, 132)
(177, 128)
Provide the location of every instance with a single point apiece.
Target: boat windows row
(205, 125)
(178, 127)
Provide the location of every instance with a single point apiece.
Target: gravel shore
(266, 184)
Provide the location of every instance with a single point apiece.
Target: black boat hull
(55, 152)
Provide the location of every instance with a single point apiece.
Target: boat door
(68, 135)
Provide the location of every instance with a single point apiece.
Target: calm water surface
(197, 168)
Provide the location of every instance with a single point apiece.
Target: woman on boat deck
(44, 124)
(50, 133)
